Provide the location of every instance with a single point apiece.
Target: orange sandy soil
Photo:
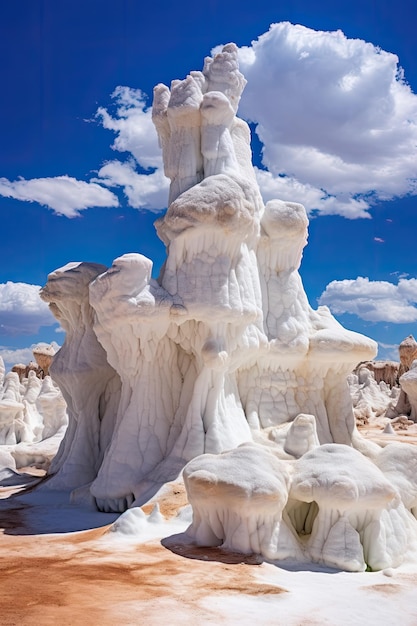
(403, 433)
(74, 579)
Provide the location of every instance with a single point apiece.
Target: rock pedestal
(221, 350)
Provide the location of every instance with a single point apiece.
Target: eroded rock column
(90, 386)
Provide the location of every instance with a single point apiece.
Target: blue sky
(331, 101)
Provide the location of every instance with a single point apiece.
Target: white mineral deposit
(408, 382)
(223, 350)
(218, 384)
(89, 385)
(33, 420)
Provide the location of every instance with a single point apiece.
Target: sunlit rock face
(222, 351)
(408, 382)
(132, 321)
(383, 371)
(406, 404)
(90, 386)
(238, 499)
(407, 352)
(43, 355)
(332, 506)
(12, 425)
(370, 398)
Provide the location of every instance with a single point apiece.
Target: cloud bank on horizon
(21, 309)
(338, 124)
(373, 301)
(22, 355)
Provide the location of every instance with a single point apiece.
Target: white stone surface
(408, 382)
(238, 498)
(221, 351)
(359, 520)
(333, 506)
(30, 410)
(2, 371)
(370, 399)
(132, 320)
(88, 383)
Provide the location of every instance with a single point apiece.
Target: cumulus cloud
(373, 301)
(64, 194)
(135, 135)
(12, 356)
(336, 118)
(22, 312)
(132, 123)
(334, 114)
(293, 190)
(143, 191)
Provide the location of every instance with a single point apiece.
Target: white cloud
(335, 114)
(134, 127)
(136, 135)
(22, 312)
(65, 195)
(336, 117)
(291, 189)
(373, 301)
(338, 123)
(143, 191)
(12, 356)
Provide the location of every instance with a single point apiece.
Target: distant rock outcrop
(43, 354)
(387, 371)
(408, 382)
(408, 353)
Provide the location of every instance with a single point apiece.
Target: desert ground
(62, 564)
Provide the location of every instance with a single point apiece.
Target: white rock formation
(383, 371)
(30, 410)
(301, 436)
(90, 386)
(52, 407)
(403, 407)
(358, 519)
(408, 353)
(332, 506)
(177, 117)
(132, 320)
(370, 399)
(12, 425)
(238, 498)
(32, 417)
(2, 372)
(304, 364)
(221, 351)
(408, 382)
(44, 355)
